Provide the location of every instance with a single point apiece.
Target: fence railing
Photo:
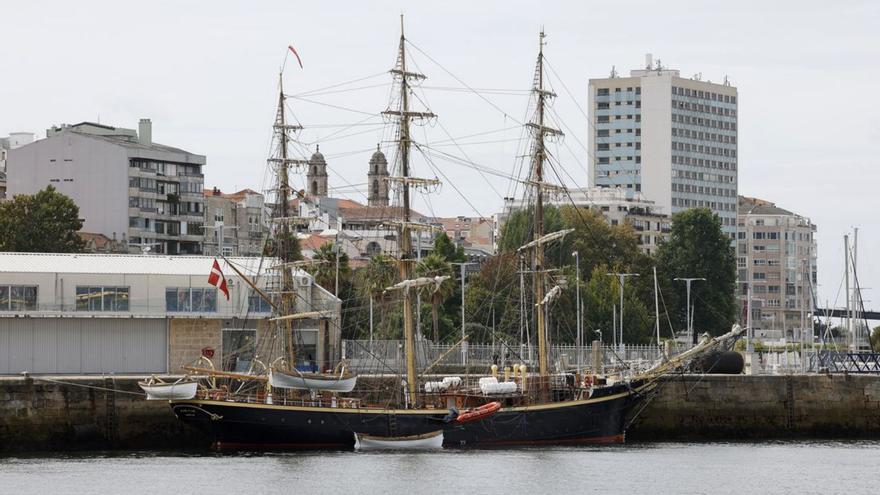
(387, 356)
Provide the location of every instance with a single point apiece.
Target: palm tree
(435, 265)
(379, 274)
(325, 271)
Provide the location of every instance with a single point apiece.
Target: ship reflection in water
(717, 468)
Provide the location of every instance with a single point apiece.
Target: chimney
(215, 192)
(145, 132)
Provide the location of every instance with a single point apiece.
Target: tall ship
(281, 406)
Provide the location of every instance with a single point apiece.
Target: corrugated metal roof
(150, 264)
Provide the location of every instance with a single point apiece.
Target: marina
(443, 249)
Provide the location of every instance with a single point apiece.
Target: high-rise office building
(671, 138)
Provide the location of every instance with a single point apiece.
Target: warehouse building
(121, 313)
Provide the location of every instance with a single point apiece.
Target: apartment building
(236, 223)
(126, 185)
(671, 138)
(776, 262)
(11, 142)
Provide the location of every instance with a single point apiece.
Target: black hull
(243, 426)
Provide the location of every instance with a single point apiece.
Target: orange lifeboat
(478, 413)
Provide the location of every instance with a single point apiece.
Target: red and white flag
(217, 279)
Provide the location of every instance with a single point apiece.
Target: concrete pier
(76, 413)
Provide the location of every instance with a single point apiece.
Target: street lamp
(577, 274)
(622, 277)
(690, 316)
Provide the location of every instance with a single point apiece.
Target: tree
(697, 247)
(519, 227)
(374, 278)
(875, 338)
(446, 249)
(436, 266)
(325, 270)
(46, 222)
(602, 295)
(284, 246)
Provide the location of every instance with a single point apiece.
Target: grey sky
(205, 72)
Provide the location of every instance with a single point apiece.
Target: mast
(285, 240)
(404, 116)
(538, 178)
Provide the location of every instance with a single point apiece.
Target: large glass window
(256, 304)
(239, 349)
(101, 298)
(18, 297)
(190, 300)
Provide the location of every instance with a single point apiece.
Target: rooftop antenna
(726, 80)
(613, 72)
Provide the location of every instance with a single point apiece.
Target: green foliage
(285, 247)
(875, 338)
(494, 295)
(435, 265)
(446, 249)
(601, 296)
(698, 248)
(518, 229)
(325, 271)
(46, 222)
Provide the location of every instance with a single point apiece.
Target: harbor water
(802, 467)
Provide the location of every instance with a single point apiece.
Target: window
(602, 92)
(239, 349)
(602, 119)
(18, 297)
(759, 276)
(190, 300)
(101, 298)
(602, 133)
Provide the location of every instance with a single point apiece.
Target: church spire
(377, 179)
(316, 177)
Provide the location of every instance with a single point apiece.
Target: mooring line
(86, 386)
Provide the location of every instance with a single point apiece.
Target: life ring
(588, 381)
(478, 413)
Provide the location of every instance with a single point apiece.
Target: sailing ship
(287, 409)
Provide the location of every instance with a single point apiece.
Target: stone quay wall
(732, 407)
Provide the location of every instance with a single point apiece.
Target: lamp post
(464, 347)
(690, 316)
(622, 277)
(577, 274)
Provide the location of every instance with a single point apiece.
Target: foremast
(285, 237)
(404, 116)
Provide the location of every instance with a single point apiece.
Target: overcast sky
(206, 74)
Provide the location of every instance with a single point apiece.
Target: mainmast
(404, 116)
(538, 177)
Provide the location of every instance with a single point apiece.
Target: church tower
(316, 178)
(377, 180)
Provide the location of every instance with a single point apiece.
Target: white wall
(99, 173)
(657, 140)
